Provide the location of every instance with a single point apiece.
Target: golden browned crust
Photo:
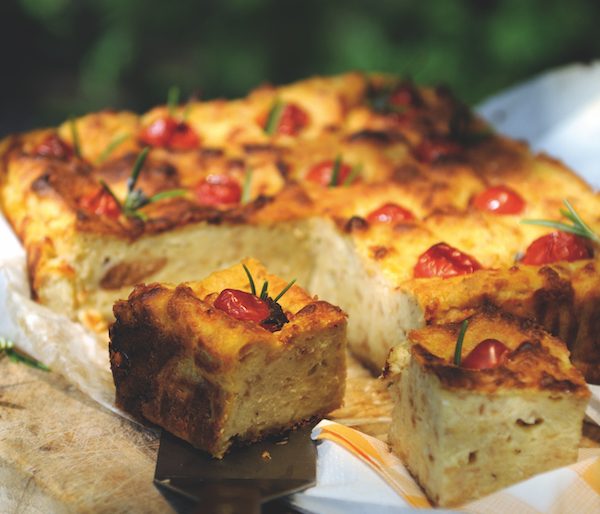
(537, 361)
(177, 361)
(42, 196)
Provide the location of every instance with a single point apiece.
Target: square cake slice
(189, 358)
(511, 409)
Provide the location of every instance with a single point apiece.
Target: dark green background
(62, 57)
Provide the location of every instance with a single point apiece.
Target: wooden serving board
(60, 452)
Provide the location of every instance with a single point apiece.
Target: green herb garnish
(8, 348)
(173, 100)
(136, 198)
(75, 137)
(264, 293)
(577, 226)
(246, 187)
(111, 147)
(354, 174)
(459, 342)
(250, 279)
(284, 290)
(335, 172)
(274, 117)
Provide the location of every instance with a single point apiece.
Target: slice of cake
(511, 408)
(216, 363)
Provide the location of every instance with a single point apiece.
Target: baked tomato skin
(488, 354)
(218, 191)
(166, 132)
(443, 260)
(242, 305)
(101, 203)
(499, 200)
(292, 121)
(557, 246)
(53, 146)
(436, 148)
(322, 173)
(390, 213)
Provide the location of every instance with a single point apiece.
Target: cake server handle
(228, 499)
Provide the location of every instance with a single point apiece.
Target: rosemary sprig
(459, 342)
(111, 147)
(173, 100)
(577, 226)
(75, 137)
(335, 172)
(274, 117)
(8, 348)
(264, 293)
(284, 290)
(250, 279)
(354, 174)
(136, 198)
(246, 186)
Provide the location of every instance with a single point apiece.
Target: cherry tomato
(184, 138)
(101, 203)
(322, 173)
(556, 246)
(168, 133)
(241, 305)
(218, 190)
(293, 119)
(404, 96)
(390, 213)
(54, 146)
(442, 260)
(433, 149)
(499, 200)
(490, 353)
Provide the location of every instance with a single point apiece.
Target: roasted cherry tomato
(433, 149)
(292, 120)
(168, 133)
(322, 173)
(218, 190)
(442, 260)
(557, 246)
(54, 146)
(101, 203)
(499, 200)
(404, 95)
(490, 353)
(390, 213)
(241, 305)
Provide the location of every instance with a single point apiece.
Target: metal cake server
(244, 479)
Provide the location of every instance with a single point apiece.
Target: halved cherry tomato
(241, 305)
(168, 133)
(293, 119)
(390, 213)
(54, 146)
(499, 200)
(322, 173)
(442, 260)
(101, 203)
(557, 246)
(433, 149)
(218, 190)
(490, 353)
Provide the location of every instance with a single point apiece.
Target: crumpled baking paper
(552, 112)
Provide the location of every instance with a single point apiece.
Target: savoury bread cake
(499, 416)
(182, 362)
(302, 178)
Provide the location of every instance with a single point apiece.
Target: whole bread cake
(391, 200)
(511, 407)
(195, 360)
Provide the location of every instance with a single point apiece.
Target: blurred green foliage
(73, 56)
